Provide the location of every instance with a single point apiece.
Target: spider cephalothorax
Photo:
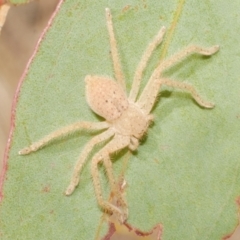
(107, 98)
(127, 117)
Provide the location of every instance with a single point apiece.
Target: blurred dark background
(18, 38)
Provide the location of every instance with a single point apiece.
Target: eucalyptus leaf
(185, 174)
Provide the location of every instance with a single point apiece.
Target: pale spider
(127, 118)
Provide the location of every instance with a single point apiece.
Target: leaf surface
(185, 174)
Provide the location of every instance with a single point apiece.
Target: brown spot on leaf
(238, 201)
(156, 161)
(126, 8)
(46, 189)
(144, 4)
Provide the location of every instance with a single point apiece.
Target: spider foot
(123, 218)
(150, 118)
(212, 50)
(119, 214)
(25, 151)
(124, 214)
(196, 49)
(203, 103)
(209, 105)
(121, 204)
(116, 212)
(118, 200)
(74, 183)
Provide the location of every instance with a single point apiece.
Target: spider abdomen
(105, 97)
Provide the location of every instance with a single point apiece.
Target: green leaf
(186, 172)
(18, 2)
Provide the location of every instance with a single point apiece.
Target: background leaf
(186, 172)
(17, 2)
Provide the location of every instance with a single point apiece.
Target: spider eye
(105, 97)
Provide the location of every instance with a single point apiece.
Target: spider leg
(162, 66)
(189, 88)
(117, 143)
(84, 154)
(142, 64)
(150, 92)
(147, 103)
(114, 52)
(63, 131)
(115, 188)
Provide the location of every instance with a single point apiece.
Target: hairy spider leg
(162, 66)
(143, 63)
(151, 90)
(174, 84)
(83, 156)
(115, 188)
(61, 132)
(114, 51)
(117, 143)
